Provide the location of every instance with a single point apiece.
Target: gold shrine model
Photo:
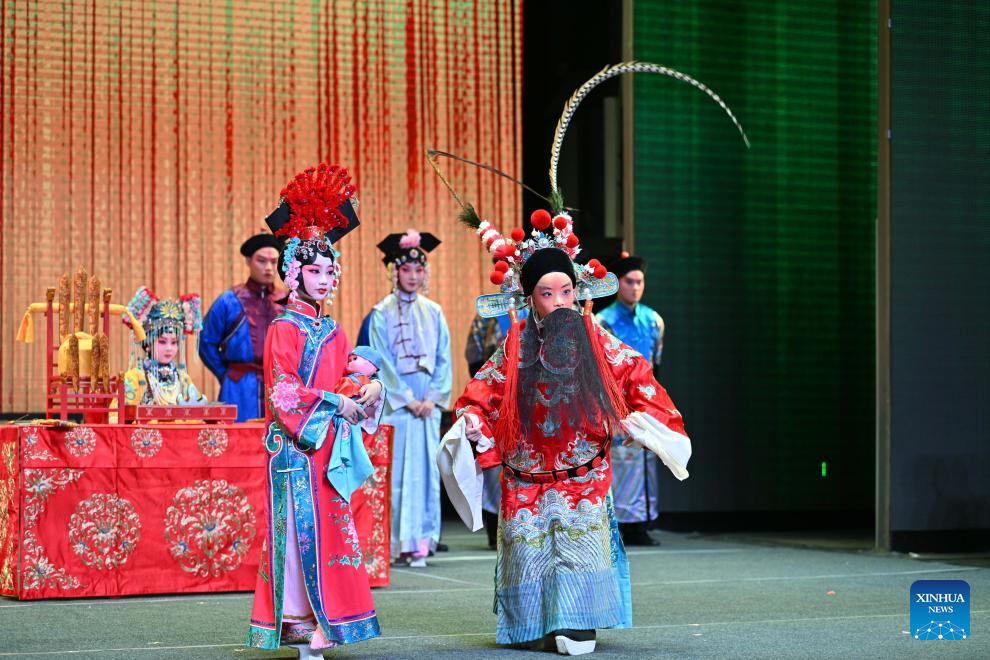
(77, 351)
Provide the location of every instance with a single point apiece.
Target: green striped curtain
(762, 261)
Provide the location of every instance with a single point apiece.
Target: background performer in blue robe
(233, 337)
(410, 332)
(635, 472)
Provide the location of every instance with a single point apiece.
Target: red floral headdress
(315, 197)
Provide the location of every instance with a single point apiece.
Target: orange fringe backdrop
(145, 141)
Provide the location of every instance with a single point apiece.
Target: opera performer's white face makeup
(166, 348)
(411, 276)
(317, 278)
(552, 291)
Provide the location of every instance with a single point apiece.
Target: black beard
(557, 371)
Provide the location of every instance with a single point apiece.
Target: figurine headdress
(551, 247)
(316, 209)
(163, 316)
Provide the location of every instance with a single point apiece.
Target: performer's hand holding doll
(349, 463)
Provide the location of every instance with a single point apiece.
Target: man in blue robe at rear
(233, 337)
(635, 471)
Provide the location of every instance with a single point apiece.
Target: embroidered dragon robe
(561, 563)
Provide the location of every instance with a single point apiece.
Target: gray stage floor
(696, 596)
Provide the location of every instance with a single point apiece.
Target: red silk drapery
(145, 141)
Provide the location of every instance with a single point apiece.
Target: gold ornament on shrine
(77, 352)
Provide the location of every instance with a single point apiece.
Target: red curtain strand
(146, 141)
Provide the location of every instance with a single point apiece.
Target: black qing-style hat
(625, 264)
(411, 246)
(258, 241)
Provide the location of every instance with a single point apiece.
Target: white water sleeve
(673, 448)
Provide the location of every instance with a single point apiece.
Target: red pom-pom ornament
(600, 271)
(594, 264)
(518, 234)
(560, 222)
(501, 266)
(504, 251)
(497, 277)
(540, 219)
(572, 241)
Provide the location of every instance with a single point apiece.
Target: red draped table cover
(119, 510)
(372, 507)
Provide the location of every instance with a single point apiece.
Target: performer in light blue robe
(410, 332)
(635, 472)
(233, 337)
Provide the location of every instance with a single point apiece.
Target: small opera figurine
(157, 373)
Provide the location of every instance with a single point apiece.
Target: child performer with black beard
(544, 408)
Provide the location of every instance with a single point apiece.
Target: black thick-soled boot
(491, 527)
(575, 642)
(636, 534)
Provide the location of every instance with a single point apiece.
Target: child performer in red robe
(544, 408)
(312, 590)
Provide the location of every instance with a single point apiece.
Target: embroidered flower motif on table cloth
(37, 570)
(212, 442)
(31, 449)
(209, 527)
(104, 530)
(146, 442)
(80, 441)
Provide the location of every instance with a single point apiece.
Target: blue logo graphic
(940, 609)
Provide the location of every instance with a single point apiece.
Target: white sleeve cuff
(462, 477)
(673, 448)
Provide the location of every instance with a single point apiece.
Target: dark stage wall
(762, 261)
(940, 274)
